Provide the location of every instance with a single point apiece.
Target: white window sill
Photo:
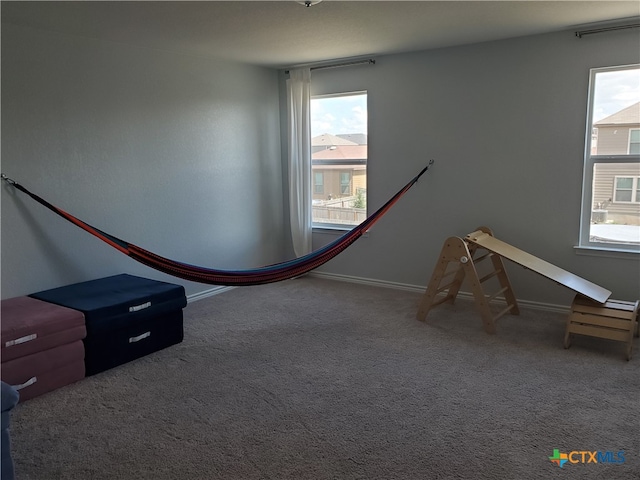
(608, 252)
(335, 230)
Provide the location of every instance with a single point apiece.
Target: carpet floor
(318, 379)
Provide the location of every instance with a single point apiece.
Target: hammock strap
(105, 237)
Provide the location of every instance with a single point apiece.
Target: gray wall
(181, 155)
(505, 123)
(177, 154)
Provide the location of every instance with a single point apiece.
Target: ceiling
(285, 33)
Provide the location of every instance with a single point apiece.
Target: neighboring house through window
(339, 159)
(611, 199)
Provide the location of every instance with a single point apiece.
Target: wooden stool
(614, 320)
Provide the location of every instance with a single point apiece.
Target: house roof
(342, 152)
(328, 140)
(626, 116)
(359, 138)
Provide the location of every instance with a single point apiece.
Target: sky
(339, 114)
(615, 91)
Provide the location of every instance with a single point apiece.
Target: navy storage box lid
(112, 302)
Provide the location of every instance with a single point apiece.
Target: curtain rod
(370, 61)
(580, 33)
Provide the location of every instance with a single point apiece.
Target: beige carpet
(318, 379)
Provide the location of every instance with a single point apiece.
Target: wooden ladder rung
(499, 292)
(490, 275)
(446, 287)
(503, 312)
(448, 274)
(482, 257)
(440, 300)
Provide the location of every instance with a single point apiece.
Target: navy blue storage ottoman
(126, 317)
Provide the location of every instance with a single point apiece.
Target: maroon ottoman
(41, 347)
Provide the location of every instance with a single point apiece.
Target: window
(339, 144)
(318, 183)
(634, 141)
(345, 183)
(611, 183)
(626, 189)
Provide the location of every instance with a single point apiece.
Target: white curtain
(299, 127)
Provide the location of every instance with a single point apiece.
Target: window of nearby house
(634, 141)
(318, 183)
(626, 189)
(345, 183)
(611, 181)
(339, 143)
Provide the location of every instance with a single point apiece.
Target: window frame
(342, 227)
(635, 198)
(590, 161)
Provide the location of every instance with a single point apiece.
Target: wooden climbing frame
(458, 259)
(461, 258)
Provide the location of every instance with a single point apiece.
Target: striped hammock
(257, 276)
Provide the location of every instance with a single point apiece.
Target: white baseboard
(368, 281)
(467, 296)
(207, 293)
